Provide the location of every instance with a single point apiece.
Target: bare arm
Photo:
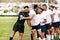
(29, 24)
(28, 18)
(52, 19)
(59, 14)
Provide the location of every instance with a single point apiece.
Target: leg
(58, 31)
(20, 36)
(44, 36)
(11, 37)
(52, 33)
(48, 32)
(40, 34)
(37, 35)
(33, 34)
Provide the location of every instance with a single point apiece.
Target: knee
(20, 34)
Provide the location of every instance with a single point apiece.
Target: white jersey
(32, 12)
(44, 17)
(36, 19)
(56, 18)
(48, 16)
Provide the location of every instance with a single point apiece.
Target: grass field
(6, 25)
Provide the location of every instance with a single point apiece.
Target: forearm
(59, 14)
(52, 18)
(28, 22)
(27, 18)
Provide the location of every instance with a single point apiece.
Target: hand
(51, 24)
(43, 21)
(21, 18)
(30, 28)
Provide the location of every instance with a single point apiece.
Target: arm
(52, 19)
(29, 24)
(44, 21)
(28, 18)
(59, 14)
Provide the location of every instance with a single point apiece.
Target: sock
(52, 36)
(59, 36)
(11, 38)
(55, 34)
(39, 38)
(48, 37)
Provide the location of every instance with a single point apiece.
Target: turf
(6, 25)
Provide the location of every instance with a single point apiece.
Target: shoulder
(32, 12)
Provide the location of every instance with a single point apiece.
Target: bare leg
(33, 34)
(40, 34)
(52, 33)
(20, 36)
(11, 37)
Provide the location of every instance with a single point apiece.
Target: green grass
(6, 25)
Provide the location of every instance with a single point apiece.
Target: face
(39, 11)
(51, 8)
(44, 7)
(26, 9)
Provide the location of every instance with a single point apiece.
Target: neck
(45, 9)
(40, 13)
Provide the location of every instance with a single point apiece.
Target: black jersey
(25, 14)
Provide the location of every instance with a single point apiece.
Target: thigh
(55, 24)
(43, 28)
(58, 23)
(48, 26)
(15, 27)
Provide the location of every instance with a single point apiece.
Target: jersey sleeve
(26, 15)
(32, 12)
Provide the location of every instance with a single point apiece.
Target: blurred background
(12, 7)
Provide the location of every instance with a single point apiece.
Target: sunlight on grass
(6, 25)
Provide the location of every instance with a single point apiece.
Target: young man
(28, 21)
(19, 25)
(49, 19)
(32, 14)
(42, 24)
(56, 22)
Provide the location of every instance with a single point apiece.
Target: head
(39, 10)
(26, 9)
(35, 6)
(44, 6)
(52, 7)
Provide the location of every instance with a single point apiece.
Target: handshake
(21, 17)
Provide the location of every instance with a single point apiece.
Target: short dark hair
(26, 7)
(52, 6)
(40, 8)
(35, 6)
(44, 5)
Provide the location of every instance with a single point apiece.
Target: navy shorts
(18, 27)
(37, 27)
(55, 24)
(43, 28)
(58, 23)
(47, 26)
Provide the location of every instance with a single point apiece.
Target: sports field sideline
(6, 25)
